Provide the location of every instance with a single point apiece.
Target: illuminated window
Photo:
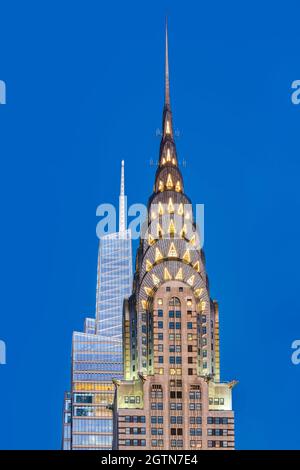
(160, 301)
(168, 131)
(187, 257)
(197, 266)
(169, 182)
(191, 280)
(151, 240)
(170, 206)
(173, 161)
(148, 265)
(160, 208)
(158, 255)
(180, 209)
(167, 275)
(198, 292)
(178, 186)
(189, 303)
(172, 229)
(168, 155)
(159, 231)
(155, 280)
(148, 291)
(183, 231)
(161, 186)
(179, 275)
(153, 215)
(172, 251)
(193, 240)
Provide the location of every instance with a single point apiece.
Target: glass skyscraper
(97, 353)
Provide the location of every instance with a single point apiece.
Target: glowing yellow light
(160, 301)
(148, 265)
(172, 228)
(203, 305)
(163, 161)
(144, 304)
(172, 251)
(173, 161)
(151, 240)
(160, 208)
(187, 215)
(148, 291)
(170, 206)
(193, 240)
(180, 209)
(197, 266)
(183, 231)
(168, 155)
(189, 303)
(168, 128)
(167, 275)
(191, 280)
(158, 255)
(187, 257)
(169, 182)
(161, 186)
(198, 292)
(179, 275)
(178, 186)
(155, 280)
(153, 215)
(159, 231)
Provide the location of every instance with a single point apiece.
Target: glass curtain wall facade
(97, 353)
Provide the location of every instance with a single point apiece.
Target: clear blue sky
(85, 90)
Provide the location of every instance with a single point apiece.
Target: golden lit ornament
(179, 275)
(197, 266)
(161, 186)
(160, 208)
(183, 231)
(169, 184)
(198, 292)
(191, 280)
(187, 257)
(148, 265)
(172, 251)
(178, 186)
(148, 291)
(167, 275)
(159, 231)
(170, 206)
(158, 255)
(151, 240)
(172, 228)
(193, 240)
(155, 280)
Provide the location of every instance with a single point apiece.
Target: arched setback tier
(172, 250)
